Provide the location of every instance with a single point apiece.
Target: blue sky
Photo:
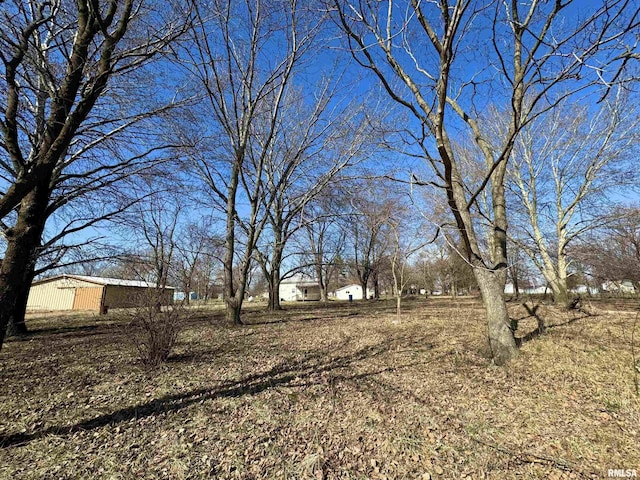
(165, 79)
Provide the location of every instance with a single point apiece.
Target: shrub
(154, 330)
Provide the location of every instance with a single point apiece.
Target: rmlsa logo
(623, 473)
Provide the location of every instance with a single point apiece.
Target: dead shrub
(154, 330)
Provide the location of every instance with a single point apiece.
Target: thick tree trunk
(233, 311)
(557, 281)
(560, 291)
(273, 277)
(232, 297)
(323, 292)
(363, 285)
(501, 338)
(17, 325)
(16, 271)
(274, 291)
(376, 286)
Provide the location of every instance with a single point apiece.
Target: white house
(299, 288)
(618, 286)
(526, 289)
(351, 292)
(584, 289)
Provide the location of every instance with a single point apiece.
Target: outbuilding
(80, 292)
(350, 292)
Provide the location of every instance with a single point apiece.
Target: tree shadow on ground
(333, 310)
(282, 316)
(543, 325)
(79, 329)
(293, 373)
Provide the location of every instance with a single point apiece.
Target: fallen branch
(528, 457)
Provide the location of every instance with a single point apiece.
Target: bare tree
(244, 56)
(158, 221)
(197, 247)
(619, 60)
(407, 239)
(149, 234)
(325, 240)
(612, 254)
(421, 53)
(312, 146)
(367, 226)
(57, 59)
(565, 166)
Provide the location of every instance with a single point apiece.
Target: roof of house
(300, 280)
(103, 281)
(348, 286)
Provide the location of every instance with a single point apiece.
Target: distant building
(351, 292)
(299, 288)
(526, 289)
(625, 286)
(181, 296)
(584, 290)
(79, 292)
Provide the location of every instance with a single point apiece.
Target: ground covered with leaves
(344, 391)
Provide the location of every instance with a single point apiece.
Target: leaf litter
(314, 392)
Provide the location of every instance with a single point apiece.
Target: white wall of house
(509, 289)
(354, 290)
(299, 287)
(288, 292)
(619, 286)
(305, 291)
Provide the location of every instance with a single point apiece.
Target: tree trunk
(273, 277)
(274, 291)
(560, 291)
(376, 286)
(16, 271)
(17, 325)
(516, 287)
(363, 285)
(187, 292)
(233, 311)
(501, 338)
(323, 291)
(320, 276)
(397, 286)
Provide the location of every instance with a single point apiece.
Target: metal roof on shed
(103, 281)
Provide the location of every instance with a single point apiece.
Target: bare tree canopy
(63, 71)
(261, 157)
(427, 57)
(565, 169)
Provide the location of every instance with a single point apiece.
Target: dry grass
(313, 392)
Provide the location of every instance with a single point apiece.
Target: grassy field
(344, 391)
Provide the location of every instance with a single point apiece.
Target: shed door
(87, 298)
